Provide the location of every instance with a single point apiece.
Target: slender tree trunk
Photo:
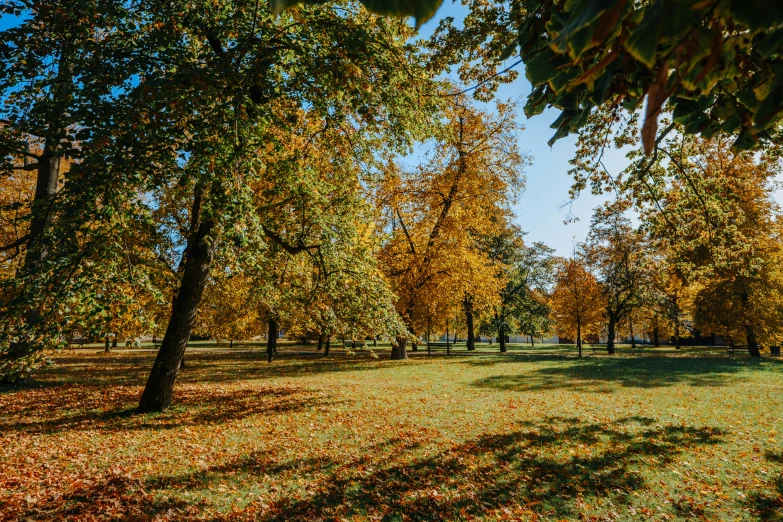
(429, 348)
(501, 335)
(106, 342)
(271, 344)
(197, 261)
(656, 340)
(677, 335)
(326, 346)
(399, 348)
(610, 336)
(320, 341)
(753, 347)
(633, 339)
(409, 322)
(532, 341)
(579, 336)
(375, 341)
(114, 341)
(468, 305)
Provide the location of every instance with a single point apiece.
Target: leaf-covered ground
(518, 437)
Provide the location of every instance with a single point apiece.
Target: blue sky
(538, 210)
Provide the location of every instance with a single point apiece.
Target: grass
(527, 436)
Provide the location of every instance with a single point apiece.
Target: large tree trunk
(320, 341)
(501, 337)
(398, 348)
(197, 261)
(633, 339)
(468, 304)
(48, 172)
(753, 347)
(271, 343)
(610, 336)
(326, 346)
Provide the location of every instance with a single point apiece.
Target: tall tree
(437, 215)
(717, 217)
(615, 252)
(528, 272)
(234, 75)
(56, 81)
(577, 301)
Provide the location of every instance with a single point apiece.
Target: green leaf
(643, 42)
(576, 35)
(757, 14)
(744, 141)
(543, 67)
(772, 44)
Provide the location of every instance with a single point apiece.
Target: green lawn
(655, 435)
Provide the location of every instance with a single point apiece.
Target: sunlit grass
(523, 436)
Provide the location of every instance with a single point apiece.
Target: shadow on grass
(214, 367)
(113, 497)
(769, 505)
(547, 471)
(104, 409)
(607, 373)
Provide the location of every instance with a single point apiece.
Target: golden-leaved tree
(577, 301)
(437, 215)
(720, 224)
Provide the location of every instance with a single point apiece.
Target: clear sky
(538, 210)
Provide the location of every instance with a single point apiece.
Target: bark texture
(271, 343)
(468, 304)
(197, 261)
(610, 336)
(399, 349)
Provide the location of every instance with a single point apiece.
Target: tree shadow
(544, 471)
(768, 506)
(124, 368)
(111, 409)
(114, 496)
(606, 374)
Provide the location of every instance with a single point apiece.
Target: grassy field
(532, 435)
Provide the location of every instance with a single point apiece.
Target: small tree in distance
(577, 302)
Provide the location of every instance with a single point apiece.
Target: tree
(719, 223)
(57, 81)
(437, 216)
(577, 301)
(615, 252)
(528, 272)
(237, 76)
